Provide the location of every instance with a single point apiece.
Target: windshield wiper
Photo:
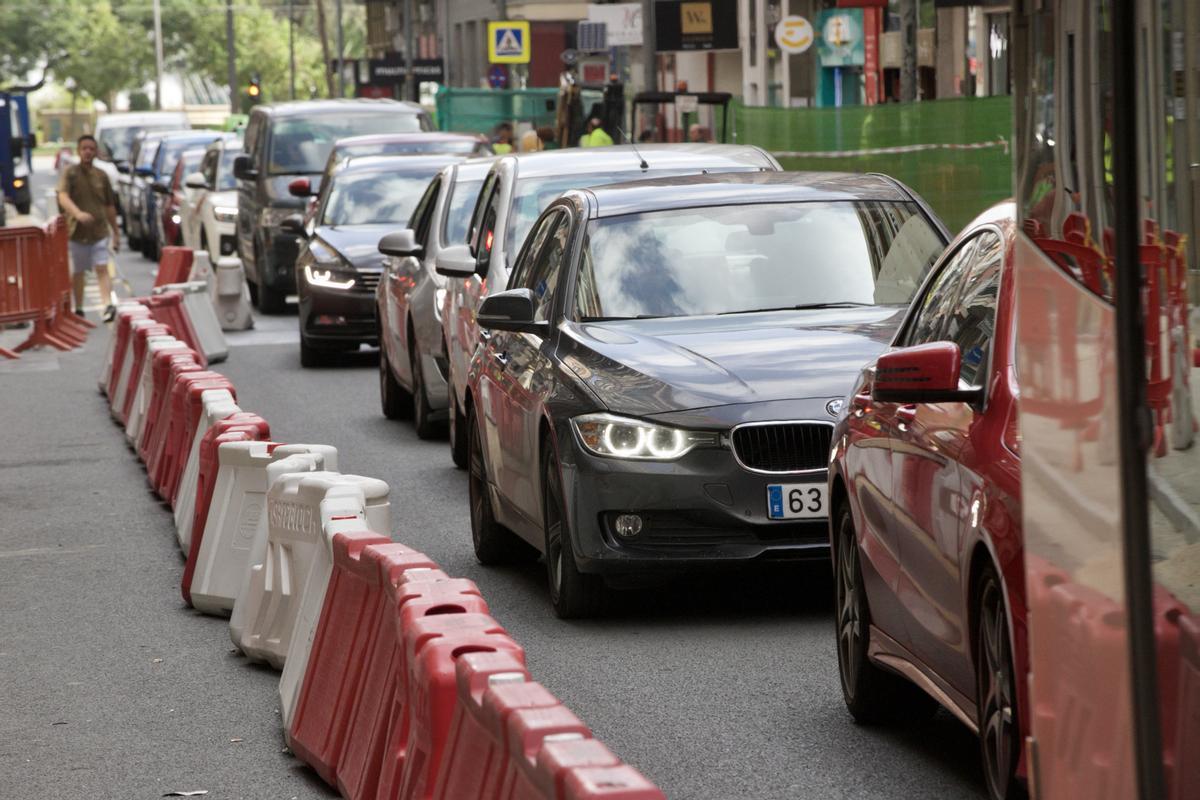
(619, 319)
(801, 307)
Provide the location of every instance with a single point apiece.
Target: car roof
(298, 108)
(121, 119)
(475, 168)
(397, 163)
(628, 157)
(231, 143)
(195, 135)
(389, 138)
(740, 188)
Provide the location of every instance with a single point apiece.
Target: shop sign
(840, 37)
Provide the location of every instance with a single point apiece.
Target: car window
(302, 144)
(971, 322)
(545, 256)
(456, 224)
(481, 204)
(424, 211)
(225, 180)
(209, 167)
(528, 253)
(929, 322)
(738, 259)
(146, 153)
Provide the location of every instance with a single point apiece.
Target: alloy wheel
(849, 605)
(552, 511)
(997, 704)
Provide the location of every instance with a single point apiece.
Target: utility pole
(341, 45)
(908, 30)
(158, 56)
(410, 80)
(649, 54)
(231, 57)
(322, 31)
(291, 51)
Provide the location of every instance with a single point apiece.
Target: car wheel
(573, 594)
(271, 301)
(394, 401)
(458, 428)
(493, 543)
(23, 208)
(996, 695)
(423, 420)
(872, 695)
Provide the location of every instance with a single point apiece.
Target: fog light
(628, 525)
(330, 319)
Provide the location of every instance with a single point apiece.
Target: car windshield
(369, 198)
(302, 144)
(145, 157)
(532, 195)
(191, 162)
(458, 214)
(740, 259)
(446, 147)
(118, 142)
(172, 150)
(225, 179)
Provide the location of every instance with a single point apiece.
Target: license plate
(796, 501)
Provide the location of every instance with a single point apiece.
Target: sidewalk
(111, 686)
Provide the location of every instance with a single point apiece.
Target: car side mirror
(455, 262)
(158, 187)
(294, 224)
(32, 139)
(301, 187)
(195, 181)
(401, 244)
(926, 373)
(243, 168)
(511, 310)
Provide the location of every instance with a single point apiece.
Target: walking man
(86, 197)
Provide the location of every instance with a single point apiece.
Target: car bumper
(702, 509)
(337, 315)
(280, 270)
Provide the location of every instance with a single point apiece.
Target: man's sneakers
(110, 313)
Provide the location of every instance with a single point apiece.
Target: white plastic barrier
(202, 269)
(231, 295)
(218, 404)
(286, 591)
(110, 349)
(144, 388)
(237, 520)
(125, 380)
(199, 308)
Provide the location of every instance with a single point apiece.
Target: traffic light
(254, 90)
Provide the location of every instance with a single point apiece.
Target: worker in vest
(595, 136)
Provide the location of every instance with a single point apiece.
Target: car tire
(573, 594)
(996, 692)
(872, 694)
(426, 426)
(493, 543)
(271, 301)
(458, 428)
(24, 208)
(393, 400)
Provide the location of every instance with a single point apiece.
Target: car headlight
(325, 276)
(621, 437)
(175, 219)
(225, 213)
(273, 217)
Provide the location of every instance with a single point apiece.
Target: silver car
(409, 300)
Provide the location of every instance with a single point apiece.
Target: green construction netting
(479, 110)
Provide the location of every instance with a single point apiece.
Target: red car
(925, 491)
(173, 195)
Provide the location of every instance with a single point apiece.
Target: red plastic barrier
(174, 266)
(116, 398)
(337, 660)
(160, 374)
(1187, 728)
(470, 765)
(35, 286)
(238, 427)
(558, 759)
(185, 411)
(359, 765)
(610, 783)
(156, 447)
(420, 722)
(526, 731)
(194, 411)
(168, 308)
(141, 340)
(121, 333)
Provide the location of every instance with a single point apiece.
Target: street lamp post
(230, 58)
(291, 51)
(158, 56)
(341, 45)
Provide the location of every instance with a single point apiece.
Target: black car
(339, 264)
(666, 365)
(285, 142)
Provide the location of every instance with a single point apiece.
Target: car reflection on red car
(926, 511)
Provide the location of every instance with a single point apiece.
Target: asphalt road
(715, 686)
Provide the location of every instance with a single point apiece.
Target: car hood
(228, 198)
(645, 367)
(358, 244)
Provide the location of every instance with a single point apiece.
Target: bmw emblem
(834, 407)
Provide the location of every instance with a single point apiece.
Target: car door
(403, 276)
(507, 362)
(248, 197)
(870, 462)
(464, 335)
(926, 448)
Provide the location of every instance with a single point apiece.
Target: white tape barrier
(286, 591)
(197, 304)
(125, 380)
(217, 404)
(144, 391)
(231, 295)
(237, 519)
(339, 512)
(249, 599)
(110, 349)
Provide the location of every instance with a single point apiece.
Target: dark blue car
(170, 148)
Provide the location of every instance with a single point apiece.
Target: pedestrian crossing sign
(508, 42)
